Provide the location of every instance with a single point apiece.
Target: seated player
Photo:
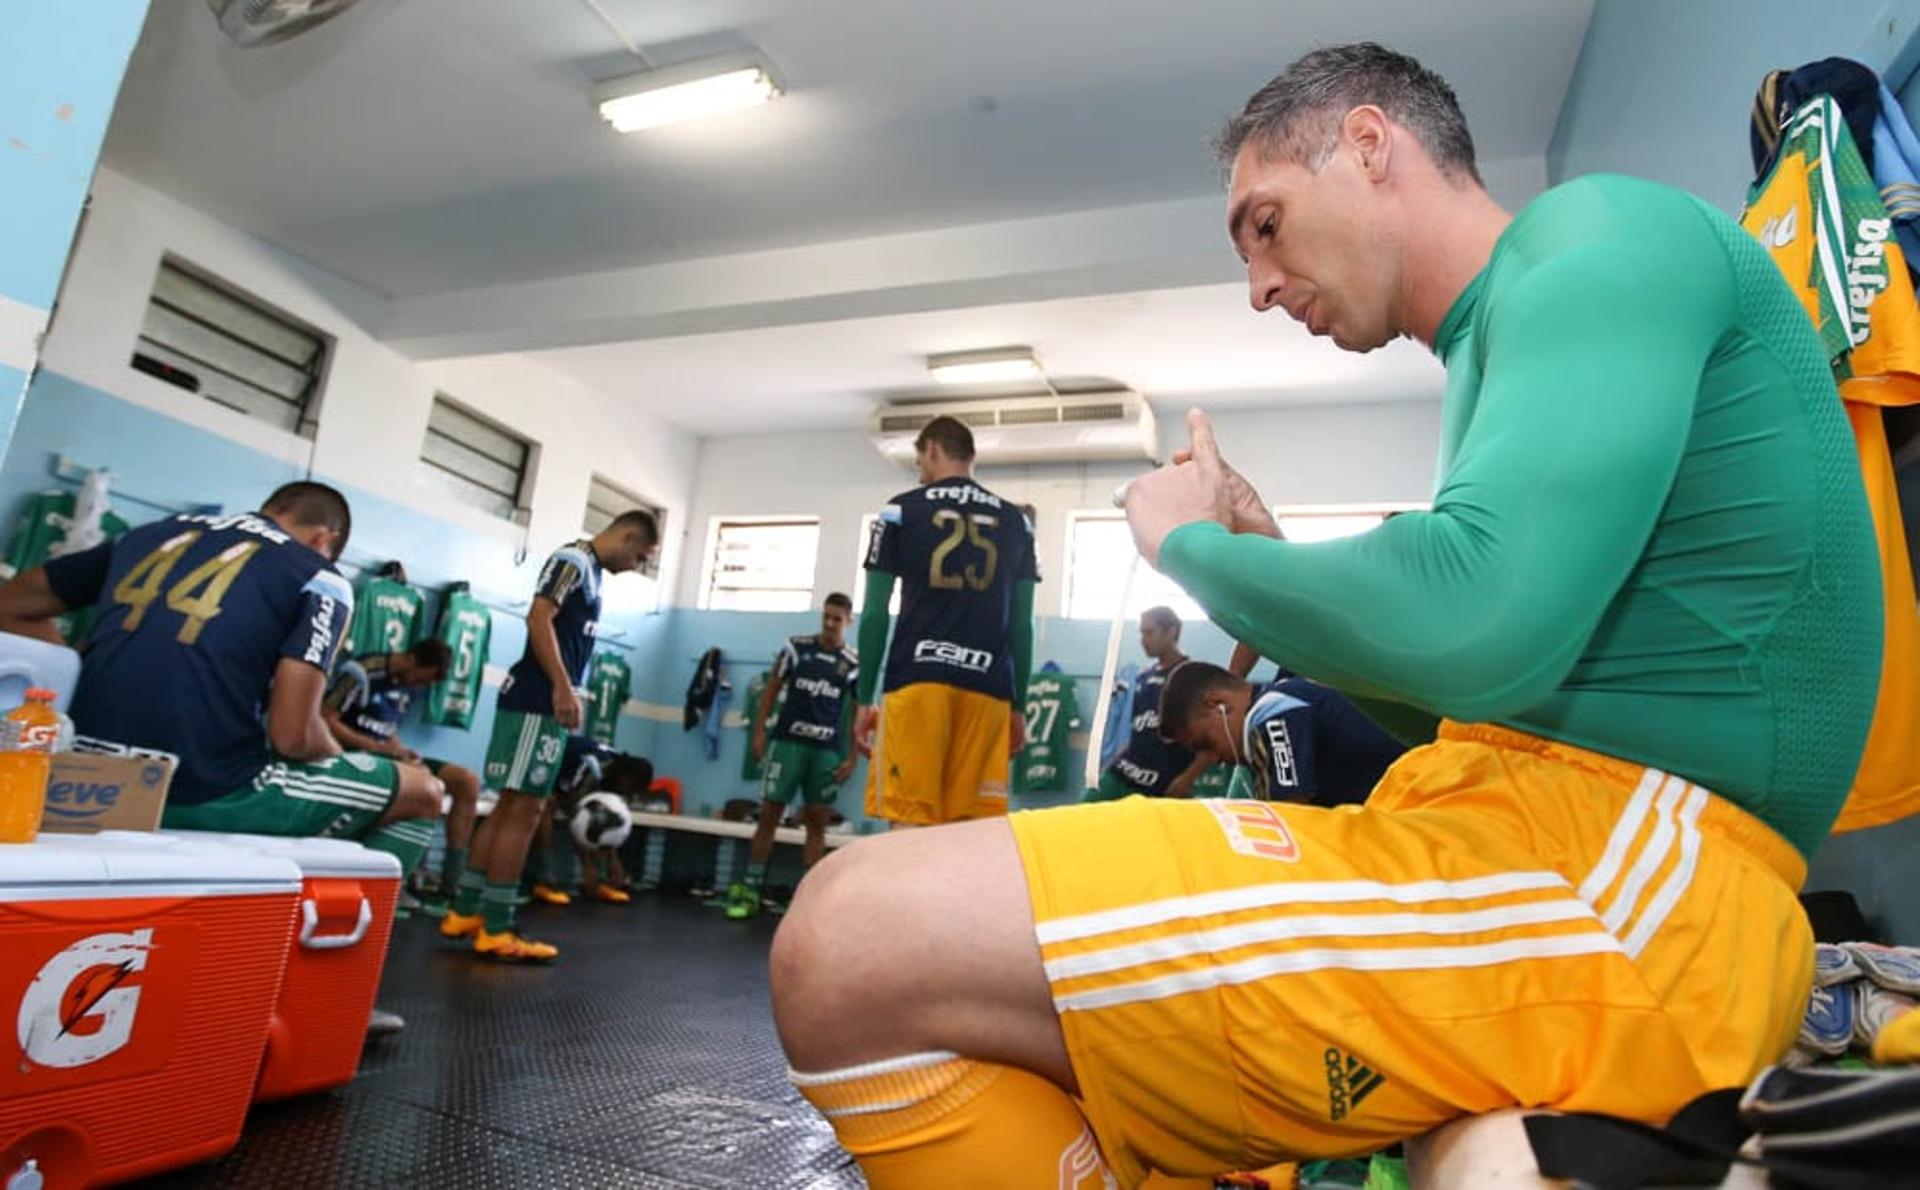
(1646, 602)
(811, 753)
(369, 697)
(1298, 741)
(1151, 764)
(212, 640)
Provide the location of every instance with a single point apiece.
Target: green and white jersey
(1053, 711)
(388, 617)
(44, 524)
(609, 685)
(467, 627)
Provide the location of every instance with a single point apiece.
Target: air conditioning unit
(1071, 428)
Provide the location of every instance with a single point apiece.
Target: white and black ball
(602, 820)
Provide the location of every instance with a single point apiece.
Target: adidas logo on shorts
(1349, 1082)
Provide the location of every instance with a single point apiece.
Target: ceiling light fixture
(992, 366)
(686, 91)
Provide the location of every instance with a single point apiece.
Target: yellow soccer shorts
(1507, 922)
(940, 754)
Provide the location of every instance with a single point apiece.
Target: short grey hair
(1297, 116)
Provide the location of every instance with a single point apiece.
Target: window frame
(305, 408)
(632, 502)
(716, 530)
(520, 510)
(1183, 604)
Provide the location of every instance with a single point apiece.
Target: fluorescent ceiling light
(685, 91)
(984, 367)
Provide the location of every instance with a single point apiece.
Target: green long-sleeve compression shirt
(1649, 536)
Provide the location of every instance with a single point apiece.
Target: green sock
(407, 841)
(756, 874)
(540, 864)
(453, 869)
(466, 894)
(497, 906)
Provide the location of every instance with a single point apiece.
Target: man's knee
(419, 795)
(806, 968)
(463, 784)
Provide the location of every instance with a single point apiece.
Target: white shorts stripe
(332, 799)
(1654, 854)
(1624, 832)
(1309, 892)
(373, 793)
(1677, 880)
(370, 784)
(1486, 954)
(523, 755)
(847, 1074)
(1338, 925)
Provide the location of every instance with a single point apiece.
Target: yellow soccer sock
(937, 1121)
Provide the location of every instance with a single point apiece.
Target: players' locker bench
(730, 843)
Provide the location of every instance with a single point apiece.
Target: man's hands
(844, 770)
(1197, 486)
(864, 721)
(759, 742)
(566, 708)
(1017, 734)
(1181, 786)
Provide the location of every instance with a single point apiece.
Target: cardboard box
(88, 793)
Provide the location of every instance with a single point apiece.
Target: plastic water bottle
(29, 736)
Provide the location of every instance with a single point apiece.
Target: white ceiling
(1201, 345)
(939, 176)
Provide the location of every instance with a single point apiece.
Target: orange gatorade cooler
(136, 986)
(341, 927)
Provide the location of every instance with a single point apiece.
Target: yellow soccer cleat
(611, 895)
(459, 925)
(546, 894)
(509, 947)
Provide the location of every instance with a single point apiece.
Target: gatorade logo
(80, 1008)
(1349, 1082)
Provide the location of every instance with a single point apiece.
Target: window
(1100, 548)
(606, 500)
(1099, 551)
(474, 461)
(1325, 522)
(859, 590)
(205, 337)
(761, 565)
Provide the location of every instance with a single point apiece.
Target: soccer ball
(602, 820)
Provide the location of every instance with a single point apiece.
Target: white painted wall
(1314, 454)
(375, 401)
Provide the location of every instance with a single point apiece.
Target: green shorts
(524, 755)
(793, 765)
(339, 798)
